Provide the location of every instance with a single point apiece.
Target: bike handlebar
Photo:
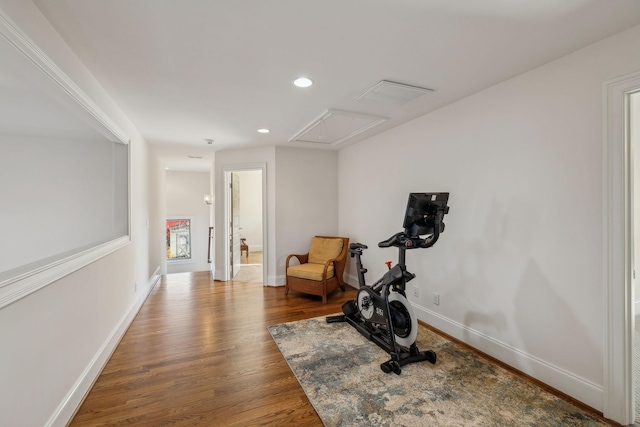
(401, 240)
(392, 241)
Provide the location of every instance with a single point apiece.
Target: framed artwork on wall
(178, 239)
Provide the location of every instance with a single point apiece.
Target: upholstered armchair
(321, 269)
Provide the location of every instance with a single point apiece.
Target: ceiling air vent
(335, 126)
(394, 93)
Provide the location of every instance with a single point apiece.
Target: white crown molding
(17, 38)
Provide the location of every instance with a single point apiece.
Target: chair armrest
(302, 258)
(333, 261)
(342, 256)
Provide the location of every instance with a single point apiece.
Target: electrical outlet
(436, 298)
(416, 291)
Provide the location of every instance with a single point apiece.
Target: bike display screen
(422, 210)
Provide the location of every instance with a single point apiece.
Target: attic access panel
(334, 127)
(388, 92)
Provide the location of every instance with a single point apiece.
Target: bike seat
(356, 246)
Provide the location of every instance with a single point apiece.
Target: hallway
(199, 353)
(251, 268)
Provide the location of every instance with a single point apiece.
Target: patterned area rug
(339, 371)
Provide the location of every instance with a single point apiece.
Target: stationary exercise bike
(381, 311)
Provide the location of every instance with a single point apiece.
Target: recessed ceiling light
(264, 130)
(303, 82)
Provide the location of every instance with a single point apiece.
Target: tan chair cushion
(322, 250)
(310, 271)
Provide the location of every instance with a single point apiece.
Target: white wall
(54, 341)
(306, 200)
(304, 204)
(240, 159)
(156, 186)
(251, 208)
(519, 266)
(78, 199)
(185, 198)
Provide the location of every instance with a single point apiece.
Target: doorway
(245, 223)
(618, 254)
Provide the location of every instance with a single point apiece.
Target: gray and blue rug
(340, 373)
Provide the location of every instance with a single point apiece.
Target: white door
(234, 238)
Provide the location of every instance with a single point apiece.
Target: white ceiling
(189, 70)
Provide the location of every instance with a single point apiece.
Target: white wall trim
(579, 388)
(76, 395)
(275, 280)
(101, 122)
(23, 282)
(352, 280)
(21, 285)
(558, 378)
(224, 275)
(617, 250)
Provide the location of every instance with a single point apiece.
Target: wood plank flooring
(199, 353)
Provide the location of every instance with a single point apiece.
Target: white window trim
(26, 282)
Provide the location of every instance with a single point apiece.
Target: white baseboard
(566, 382)
(351, 280)
(275, 281)
(579, 388)
(76, 395)
(218, 276)
(255, 248)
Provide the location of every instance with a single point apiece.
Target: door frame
(233, 262)
(226, 173)
(617, 177)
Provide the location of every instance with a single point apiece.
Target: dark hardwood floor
(199, 353)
